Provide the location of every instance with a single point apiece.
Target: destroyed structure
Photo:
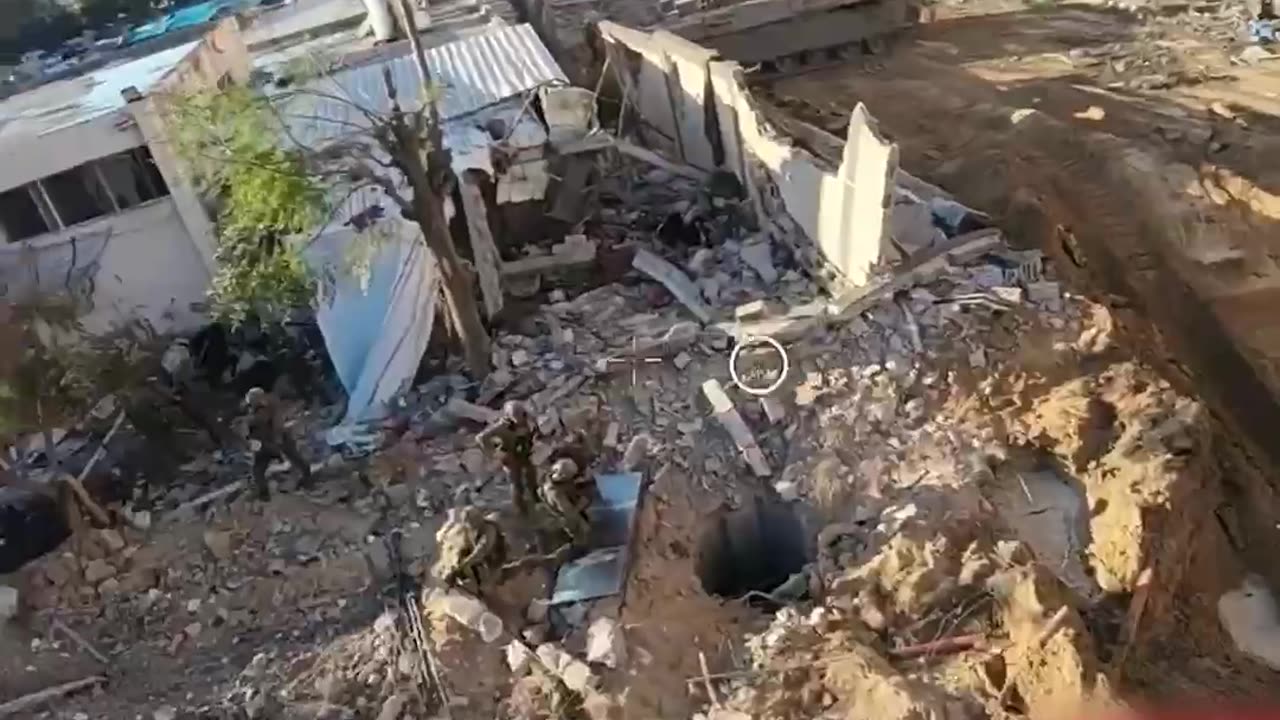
(853, 446)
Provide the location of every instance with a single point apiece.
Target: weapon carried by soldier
(512, 436)
(471, 551)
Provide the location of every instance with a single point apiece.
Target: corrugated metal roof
(472, 74)
(63, 103)
(481, 78)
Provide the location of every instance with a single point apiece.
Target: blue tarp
(190, 16)
(376, 319)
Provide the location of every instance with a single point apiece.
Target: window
(101, 187)
(20, 217)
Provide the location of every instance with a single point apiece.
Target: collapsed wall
(697, 108)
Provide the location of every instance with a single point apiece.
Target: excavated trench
(1101, 210)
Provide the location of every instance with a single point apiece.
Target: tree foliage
(273, 185)
(233, 142)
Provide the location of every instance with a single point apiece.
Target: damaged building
(94, 201)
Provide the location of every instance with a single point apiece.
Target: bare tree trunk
(426, 162)
(459, 291)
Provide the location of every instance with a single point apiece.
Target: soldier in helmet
(471, 549)
(512, 436)
(567, 496)
(269, 439)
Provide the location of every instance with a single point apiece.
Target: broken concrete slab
(653, 158)
(571, 255)
(725, 412)
(605, 644)
(751, 310)
(463, 410)
(469, 611)
(757, 253)
(774, 409)
(675, 281)
(8, 603)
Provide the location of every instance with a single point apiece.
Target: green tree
(274, 185)
(231, 140)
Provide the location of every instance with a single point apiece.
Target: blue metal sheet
(603, 571)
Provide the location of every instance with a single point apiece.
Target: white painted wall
(29, 159)
(842, 211)
(148, 267)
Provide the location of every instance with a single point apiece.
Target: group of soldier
(472, 547)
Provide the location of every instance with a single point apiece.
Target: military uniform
(270, 440)
(512, 435)
(564, 494)
(471, 548)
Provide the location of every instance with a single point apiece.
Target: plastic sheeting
(376, 318)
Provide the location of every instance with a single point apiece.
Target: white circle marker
(757, 340)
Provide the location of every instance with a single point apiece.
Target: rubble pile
(981, 478)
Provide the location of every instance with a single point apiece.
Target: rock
(393, 708)
(379, 560)
(467, 610)
(549, 422)
(8, 603)
(605, 644)
(473, 461)
(112, 540)
(577, 676)
(753, 309)
(737, 428)
(97, 571)
(637, 450)
(787, 490)
(758, 255)
(537, 611)
(520, 358)
(219, 544)
(109, 587)
(519, 658)
(164, 712)
(682, 361)
(463, 410)
(709, 288)
(774, 409)
(674, 280)
(700, 261)
(1008, 294)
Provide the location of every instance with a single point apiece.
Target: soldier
(567, 498)
(178, 384)
(471, 548)
(269, 439)
(512, 435)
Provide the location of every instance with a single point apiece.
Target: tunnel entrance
(754, 548)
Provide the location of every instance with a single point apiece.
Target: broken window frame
(148, 186)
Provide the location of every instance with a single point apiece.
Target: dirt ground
(1138, 150)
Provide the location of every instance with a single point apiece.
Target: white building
(92, 199)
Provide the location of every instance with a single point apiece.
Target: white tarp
(376, 317)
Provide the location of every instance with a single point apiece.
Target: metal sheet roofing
(64, 103)
(473, 74)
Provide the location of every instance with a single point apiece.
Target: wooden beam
(488, 263)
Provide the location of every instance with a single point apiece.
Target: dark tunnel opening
(757, 547)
